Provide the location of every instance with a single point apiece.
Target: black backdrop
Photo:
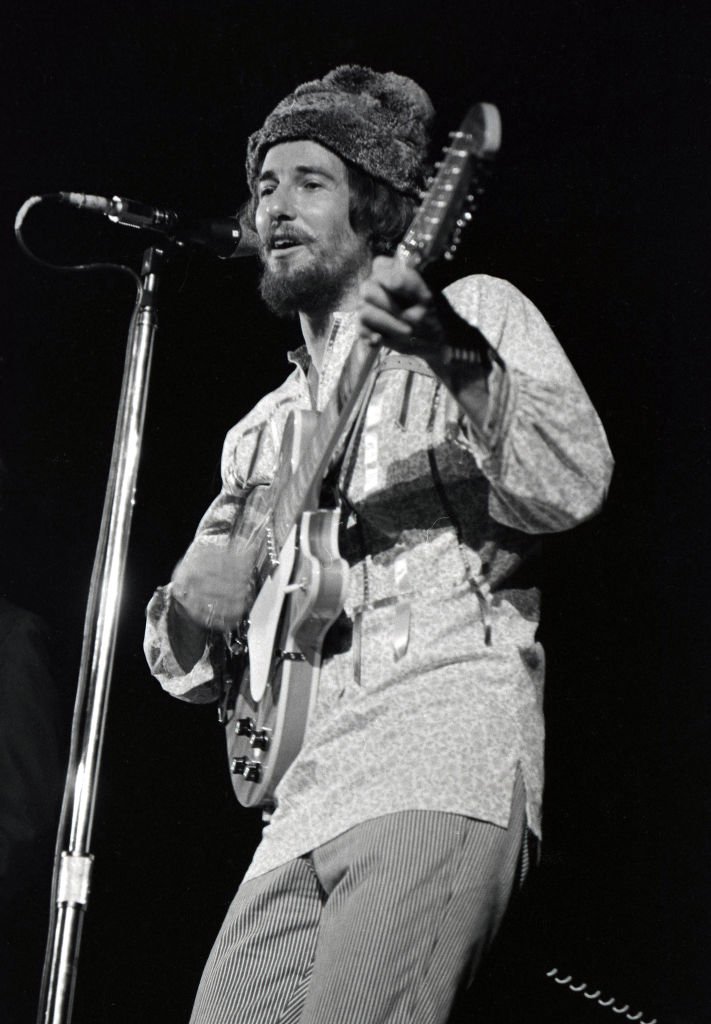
(597, 210)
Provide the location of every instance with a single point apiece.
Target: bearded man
(403, 826)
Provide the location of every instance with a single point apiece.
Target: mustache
(286, 235)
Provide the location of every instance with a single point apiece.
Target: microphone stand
(73, 867)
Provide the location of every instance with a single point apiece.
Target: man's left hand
(398, 310)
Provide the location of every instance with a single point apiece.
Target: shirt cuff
(485, 442)
(199, 684)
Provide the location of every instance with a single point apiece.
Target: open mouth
(284, 244)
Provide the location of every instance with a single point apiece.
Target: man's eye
(265, 190)
(311, 185)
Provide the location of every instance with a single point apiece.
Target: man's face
(313, 259)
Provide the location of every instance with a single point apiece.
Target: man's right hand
(212, 591)
(214, 585)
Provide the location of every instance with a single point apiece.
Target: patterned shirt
(431, 687)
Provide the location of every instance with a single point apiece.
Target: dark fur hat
(378, 121)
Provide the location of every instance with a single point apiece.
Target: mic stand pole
(99, 644)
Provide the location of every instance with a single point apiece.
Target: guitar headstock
(449, 202)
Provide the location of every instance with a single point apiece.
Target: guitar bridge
(290, 656)
(236, 643)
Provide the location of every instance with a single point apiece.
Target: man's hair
(376, 210)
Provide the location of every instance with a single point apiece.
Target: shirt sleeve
(542, 447)
(200, 685)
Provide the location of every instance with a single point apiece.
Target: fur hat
(378, 121)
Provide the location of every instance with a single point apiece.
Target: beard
(316, 287)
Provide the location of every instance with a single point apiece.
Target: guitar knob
(251, 770)
(244, 727)
(259, 739)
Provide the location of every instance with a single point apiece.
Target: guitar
(300, 575)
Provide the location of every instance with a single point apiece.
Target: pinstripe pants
(381, 925)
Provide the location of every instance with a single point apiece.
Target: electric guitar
(301, 578)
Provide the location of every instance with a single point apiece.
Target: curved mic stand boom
(73, 866)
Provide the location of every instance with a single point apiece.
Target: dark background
(598, 211)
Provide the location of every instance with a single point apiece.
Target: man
(400, 830)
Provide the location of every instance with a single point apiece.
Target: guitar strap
(348, 446)
(366, 424)
(369, 411)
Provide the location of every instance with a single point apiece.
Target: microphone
(226, 237)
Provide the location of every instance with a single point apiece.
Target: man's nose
(278, 205)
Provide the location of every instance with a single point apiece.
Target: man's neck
(316, 327)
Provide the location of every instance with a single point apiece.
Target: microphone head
(245, 243)
(226, 237)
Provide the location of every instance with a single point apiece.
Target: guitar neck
(301, 491)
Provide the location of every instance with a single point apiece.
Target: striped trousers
(381, 925)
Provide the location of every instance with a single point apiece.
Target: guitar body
(297, 602)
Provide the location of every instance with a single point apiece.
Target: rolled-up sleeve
(198, 686)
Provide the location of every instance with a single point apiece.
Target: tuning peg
(449, 255)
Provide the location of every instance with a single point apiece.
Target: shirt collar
(300, 356)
